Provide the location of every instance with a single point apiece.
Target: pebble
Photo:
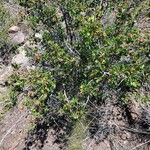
(14, 29)
(21, 59)
(18, 37)
(38, 36)
(124, 136)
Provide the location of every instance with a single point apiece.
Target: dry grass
(77, 138)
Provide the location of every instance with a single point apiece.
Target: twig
(67, 20)
(88, 98)
(135, 131)
(66, 98)
(71, 50)
(140, 145)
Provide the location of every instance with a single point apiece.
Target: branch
(135, 131)
(72, 50)
(140, 145)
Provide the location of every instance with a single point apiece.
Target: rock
(13, 29)
(123, 136)
(18, 37)
(38, 36)
(5, 73)
(135, 110)
(21, 59)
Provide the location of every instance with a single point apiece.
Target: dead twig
(72, 50)
(135, 130)
(142, 144)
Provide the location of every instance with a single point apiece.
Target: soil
(118, 126)
(14, 128)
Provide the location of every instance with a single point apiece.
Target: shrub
(4, 25)
(80, 55)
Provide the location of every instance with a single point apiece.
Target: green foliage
(137, 96)
(80, 54)
(7, 47)
(4, 25)
(72, 107)
(37, 86)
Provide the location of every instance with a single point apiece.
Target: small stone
(17, 38)
(13, 29)
(6, 72)
(119, 117)
(125, 141)
(31, 68)
(124, 136)
(134, 116)
(128, 135)
(21, 59)
(38, 36)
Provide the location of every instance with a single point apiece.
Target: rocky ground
(115, 127)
